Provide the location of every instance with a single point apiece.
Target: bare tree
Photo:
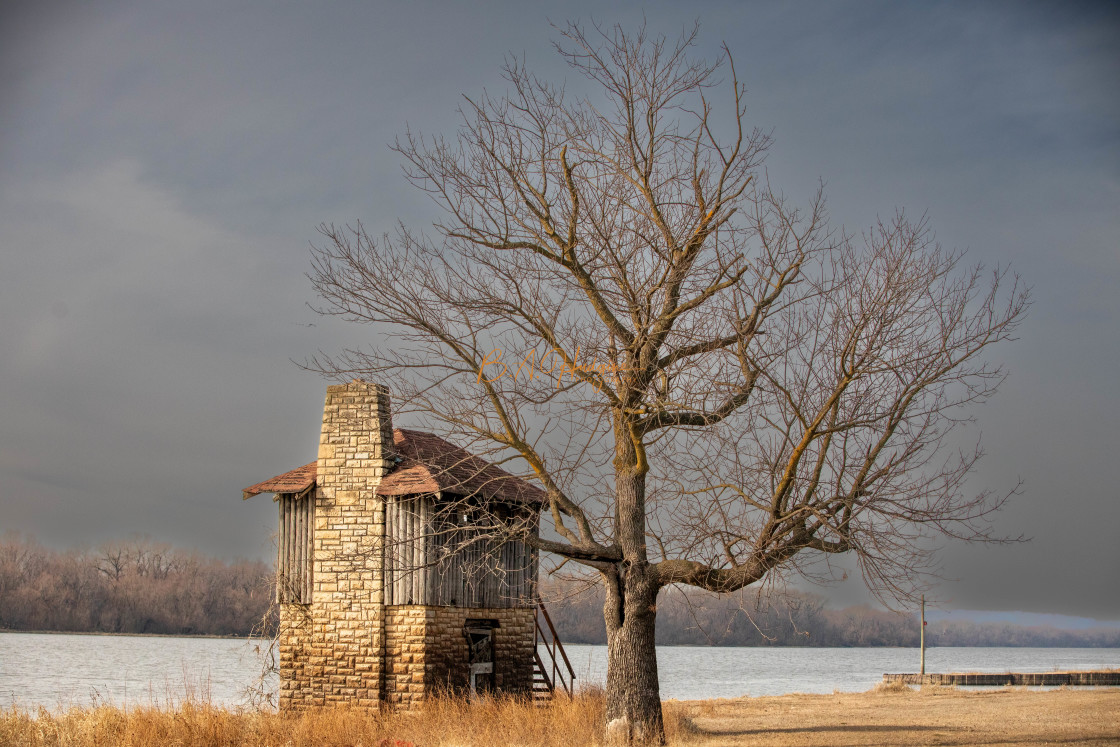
(705, 380)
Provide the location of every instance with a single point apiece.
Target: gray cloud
(163, 166)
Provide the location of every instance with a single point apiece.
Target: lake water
(58, 670)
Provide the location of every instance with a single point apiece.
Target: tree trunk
(633, 695)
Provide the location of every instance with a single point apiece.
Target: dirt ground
(933, 716)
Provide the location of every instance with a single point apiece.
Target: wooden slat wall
(431, 560)
(294, 566)
(408, 575)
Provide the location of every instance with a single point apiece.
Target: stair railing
(552, 646)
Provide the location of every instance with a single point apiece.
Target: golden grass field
(890, 716)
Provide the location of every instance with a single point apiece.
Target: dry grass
(887, 688)
(884, 716)
(443, 722)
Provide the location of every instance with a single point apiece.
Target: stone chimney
(331, 649)
(356, 443)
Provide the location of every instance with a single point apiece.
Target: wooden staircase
(551, 671)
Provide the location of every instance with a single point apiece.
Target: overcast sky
(163, 167)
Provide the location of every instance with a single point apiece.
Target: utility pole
(923, 635)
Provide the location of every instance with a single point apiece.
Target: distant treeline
(793, 619)
(140, 586)
(129, 587)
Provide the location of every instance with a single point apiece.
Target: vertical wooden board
(421, 558)
(418, 543)
(464, 558)
(480, 574)
(526, 577)
(305, 572)
(485, 578)
(387, 555)
(301, 577)
(489, 578)
(406, 551)
(458, 568)
(476, 570)
(308, 542)
(402, 559)
(294, 570)
(398, 549)
(421, 555)
(402, 551)
(291, 548)
(398, 564)
(494, 571)
(477, 562)
(509, 574)
(394, 537)
(531, 574)
(287, 572)
(500, 577)
(458, 577)
(410, 546)
(523, 576)
(517, 583)
(413, 551)
(398, 553)
(296, 545)
(534, 568)
(516, 575)
(436, 556)
(424, 532)
(390, 573)
(449, 590)
(446, 587)
(282, 563)
(309, 523)
(427, 505)
(280, 552)
(513, 573)
(431, 554)
(469, 588)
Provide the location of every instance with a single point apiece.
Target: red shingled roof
(296, 481)
(428, 465)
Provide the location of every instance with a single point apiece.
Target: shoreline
(132, 635)
(577, 643)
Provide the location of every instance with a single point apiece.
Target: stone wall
(426, 650)
(293, 642)
(330, 651)
(404, 653)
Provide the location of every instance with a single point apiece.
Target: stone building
(400, 568)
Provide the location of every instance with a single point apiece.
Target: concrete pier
(1002, 679)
